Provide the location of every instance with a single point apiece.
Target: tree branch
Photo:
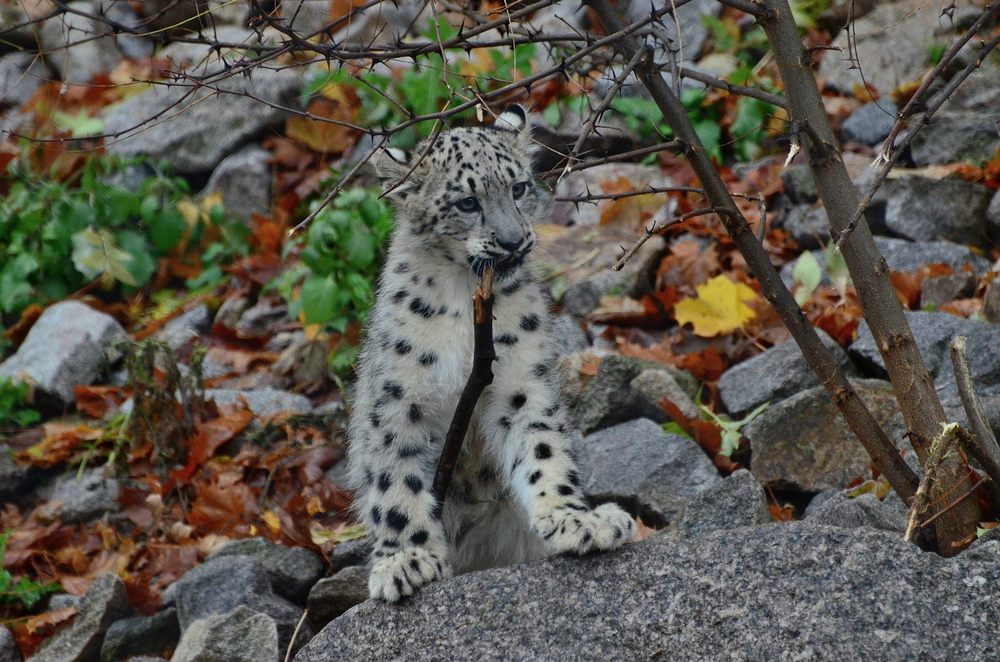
(983, 443)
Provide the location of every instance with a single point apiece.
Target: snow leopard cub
(464, 201)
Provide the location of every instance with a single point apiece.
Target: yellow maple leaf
(720, 307)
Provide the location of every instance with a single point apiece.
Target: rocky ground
(719, 578)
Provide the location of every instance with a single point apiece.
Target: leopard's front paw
(568, 530)
(399, 575)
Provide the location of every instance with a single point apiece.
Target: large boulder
(141, 635)
(803, 443)
(926, 209)
(332, 596)
(241, 635)
(775, 592)
(850, 512)
(66, 347)
(196, 129)
(648, 472)
(104, 603)
(244, 180)
(9, 651)
(224, 583)
(951, 137)
(736, 501)
(263, 402)
(773, 375)
(20, 75)
(291, 570)
(77, 46)
(79, 497)
(871, 123)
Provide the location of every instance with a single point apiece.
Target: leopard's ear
(393, 167)
(514, 118)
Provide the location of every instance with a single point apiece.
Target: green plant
(732, 431)
(13, 409)
(24, 592)
(56, 236)
(334, 283)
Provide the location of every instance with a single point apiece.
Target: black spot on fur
(533, 478)
(565, 490)
(414, 483)
(420, 537)
(376, 513)
(543, 452)
(401, 268)
(517, 400)
(430, 281)
(396, 520)
(511, 288)
(428, 358)
(415, 565)
(406, 452)
(506, 339)
(389, 438)
(393, 389)
(420, 307)
(403, 348)
(374, 420)
(414, 414)
(384, 481)
(539, 425)
(504, 423)
(549, 411)
(573, 478)
(399, 296)
(577, 507)
(399, 584)
(529, 322)
(540, 370)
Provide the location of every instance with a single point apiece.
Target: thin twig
(655, 230)
(954, 504)
(295, 634)
(483, 355)
(982, 443)
(938, 451)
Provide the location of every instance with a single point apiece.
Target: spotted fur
(465, 200)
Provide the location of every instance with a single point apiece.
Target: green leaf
(807, 275)
(167, 229)
(673, 427)
(15, 283)
(731, 431)
(319, 299)
(80, 125)
(836, 266)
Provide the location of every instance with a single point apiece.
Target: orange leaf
(325, 137)
(97, 401)
(208, 436)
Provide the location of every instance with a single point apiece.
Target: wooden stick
(483, 355)
(982, 444)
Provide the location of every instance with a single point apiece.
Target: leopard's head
(470, 191)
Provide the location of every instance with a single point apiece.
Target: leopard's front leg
(524, 407)
(393, 452)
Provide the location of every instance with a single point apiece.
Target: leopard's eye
(468, 205)
(519, 189)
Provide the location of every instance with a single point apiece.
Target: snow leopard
(464, 199)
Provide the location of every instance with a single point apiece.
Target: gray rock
(693, 31)
(903, 255)
(104, 603)
(736, 501)
(20, 75)
(261, 319)
(569, 335)
(241, 635)
(993, 216)
(191, 141)
(306, 16)
(991, 302)
(352, 552)
(85, 497)
(925, 209)
(891, 44)
(13, 477)
(954, 137)
(933, 332)
(840, 509)
(185, 328)
(939, 290)
(64, 600)
(78, 47)
(244, 180)
(773, 375)
(332, 596)
(655, 385)
(583, 271)
(9, 652)
(222, 584)
(779, 592)
(291, 570)
(871, 123)
(141, 635)
(66, 347)
(802, 443)
(645, 470)
(808, 226)
(609, 398)
(800, 187)
(204, 60)
(263, 402)
(132, 46)
(978, 92)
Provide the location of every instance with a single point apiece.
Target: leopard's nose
(511, 246)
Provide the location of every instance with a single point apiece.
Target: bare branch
(983, 444)
(660, 229)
